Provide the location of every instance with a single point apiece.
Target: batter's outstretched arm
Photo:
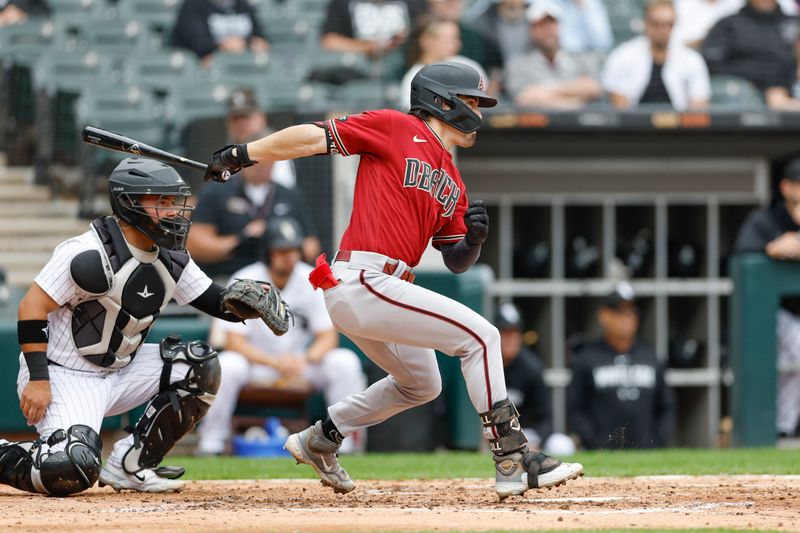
(290, 143)
(295, 141)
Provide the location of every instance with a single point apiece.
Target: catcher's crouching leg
(517, 468)
(67, 463)
(177, 408)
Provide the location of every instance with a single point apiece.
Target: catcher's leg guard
(32, 467)
(517, 468)
(177, 407)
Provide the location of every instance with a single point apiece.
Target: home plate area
(742, 502)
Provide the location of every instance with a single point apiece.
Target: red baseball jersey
(407, 188)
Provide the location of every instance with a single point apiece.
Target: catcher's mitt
(247, 298)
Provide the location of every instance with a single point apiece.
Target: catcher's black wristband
(32, 331)
(37, 366)
(210, 302)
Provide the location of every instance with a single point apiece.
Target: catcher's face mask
(165, 219)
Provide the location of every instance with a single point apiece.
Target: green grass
(465, 464)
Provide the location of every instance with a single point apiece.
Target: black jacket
(526, 388)
(619, 400)
(755, 46)
(200, 24)
(761, 227)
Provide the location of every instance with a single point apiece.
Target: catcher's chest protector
(127, 296)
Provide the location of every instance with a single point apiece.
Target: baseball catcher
(82, 329)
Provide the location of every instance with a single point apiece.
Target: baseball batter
(82, 327)
(407, 193)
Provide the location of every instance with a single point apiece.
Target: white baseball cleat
(521, 471)
(143, 481)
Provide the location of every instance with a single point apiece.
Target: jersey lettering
(436, 182)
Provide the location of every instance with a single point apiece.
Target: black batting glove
(477, 221)
(223, 164)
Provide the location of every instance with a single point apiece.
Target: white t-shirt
(56, 281)
(685, 75)
(310, 314)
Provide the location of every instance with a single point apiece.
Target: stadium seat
(157, 14)
(239, 69)
(24, 43)
(160, 72)
(365, 94)
(289, 95)
(118, 38)
(69, 72)
(79, 10)
(735, 92)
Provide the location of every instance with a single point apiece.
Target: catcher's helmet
(134, 178)
(284, 233)
(443, 82)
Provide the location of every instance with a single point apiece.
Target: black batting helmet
(438, 83)
(134, 178)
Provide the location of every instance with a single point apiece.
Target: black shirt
(656, 91)
(202, 24)
(619, 400)
(229, 210)
(761, 227)
(371, 19)
(526, 388)
(755, 46)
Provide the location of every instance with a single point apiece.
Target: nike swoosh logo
(418, 140)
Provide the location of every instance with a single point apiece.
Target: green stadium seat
(79, 10)
(23, 44)
(292, 95)
(158, 14)
(161, 71)
(118, 38)
(194, 101)
(239, 69)
(735, 92)
(69, 72)
(365, 94)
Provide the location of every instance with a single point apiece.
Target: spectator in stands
(307, 355)
(246, 120)
(208, 26)
(433, 40)
(524, 374)
(371, 27)
(503, 24)
(773, 230)
(547, 76)
(474, 45)
(617, 397)
(649, 69)
(694, 18)
(584, 26)
(231, 218)
(17, 11)
(757, 44)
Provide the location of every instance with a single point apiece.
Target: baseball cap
(792, 170)
(622, 294)
(538, 11)
(242, 102)
(508, 317)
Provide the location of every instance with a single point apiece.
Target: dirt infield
(754, 502)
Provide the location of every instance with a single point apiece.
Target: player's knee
(76, 467)
(426, 388)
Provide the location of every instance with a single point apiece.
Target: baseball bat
(120, 143)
